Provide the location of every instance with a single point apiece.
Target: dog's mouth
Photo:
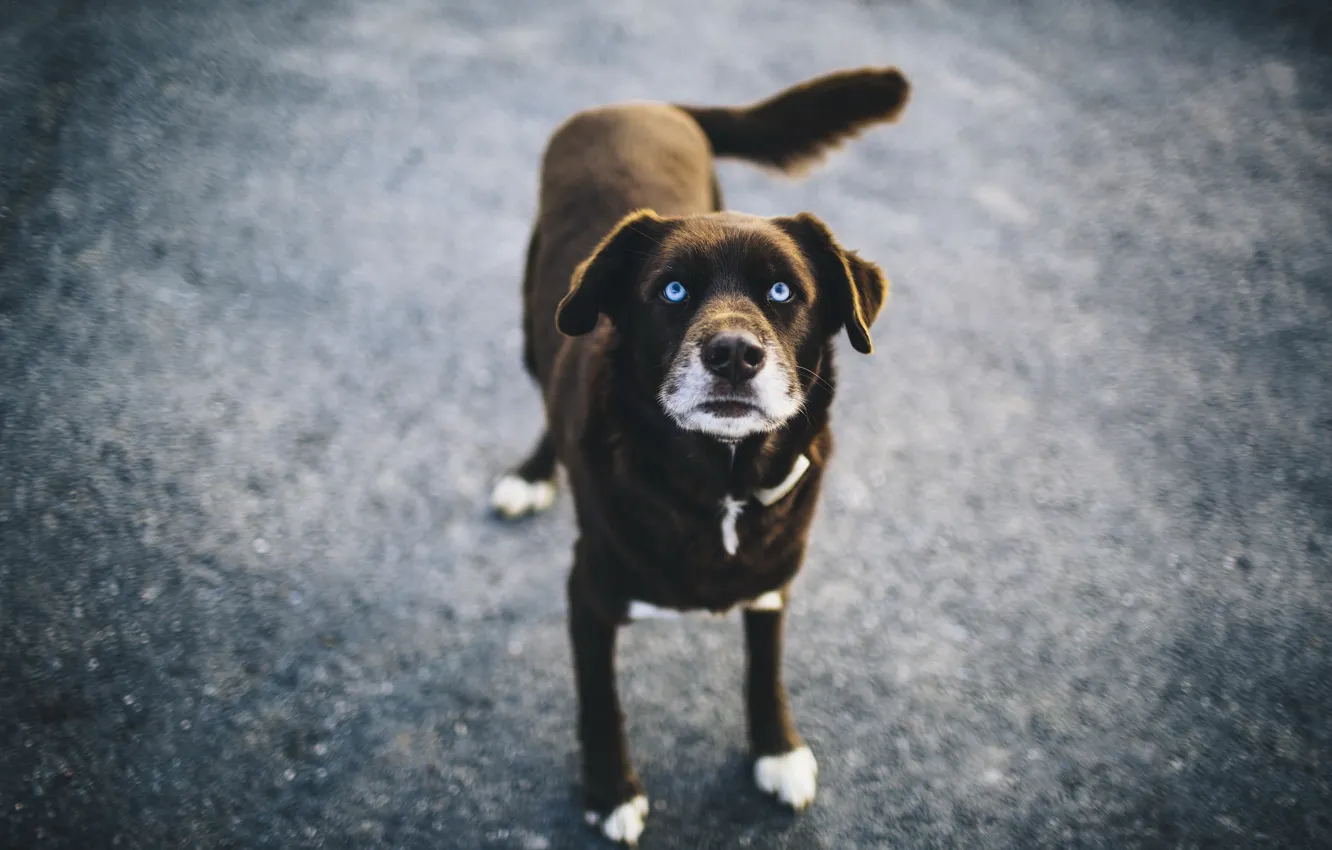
(730, 408)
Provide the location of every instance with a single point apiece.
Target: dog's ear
(602, 281)
(856, 286)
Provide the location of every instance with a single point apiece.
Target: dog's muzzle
(729, 384)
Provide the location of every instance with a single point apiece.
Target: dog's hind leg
(529, 487)
(529, 280)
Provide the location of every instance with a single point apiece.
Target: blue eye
(675, 292)
(779, 292)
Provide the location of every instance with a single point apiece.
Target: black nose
(737, 357)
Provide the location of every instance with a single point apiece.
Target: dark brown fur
(627, 191)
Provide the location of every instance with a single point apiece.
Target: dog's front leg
(612, 793)
(784, 766)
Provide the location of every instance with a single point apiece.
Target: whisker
(815, 376)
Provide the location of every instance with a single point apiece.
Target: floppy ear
(856, 286)
(601, 282)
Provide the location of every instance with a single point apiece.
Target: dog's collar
(769, 496)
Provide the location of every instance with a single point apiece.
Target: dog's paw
(624, 824)
(792, 777)
(514, 496)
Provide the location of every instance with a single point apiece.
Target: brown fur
(628, 199)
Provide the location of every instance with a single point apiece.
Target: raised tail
(795, 128)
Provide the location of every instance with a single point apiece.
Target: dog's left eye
(674, 292)
(779, 292)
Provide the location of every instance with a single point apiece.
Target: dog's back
(599, 165)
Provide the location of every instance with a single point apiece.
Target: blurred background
(260, 364)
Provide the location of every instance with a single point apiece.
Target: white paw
(791, 776)
(513, 497)
(624, 824)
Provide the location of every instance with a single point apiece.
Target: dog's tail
(795, 128)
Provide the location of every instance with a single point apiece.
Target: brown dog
(686, 357)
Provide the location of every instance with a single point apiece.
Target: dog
(685, 355)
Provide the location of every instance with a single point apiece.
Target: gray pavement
(260, 362)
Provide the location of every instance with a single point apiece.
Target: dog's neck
(719, 467)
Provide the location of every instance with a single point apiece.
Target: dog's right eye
(674, 292)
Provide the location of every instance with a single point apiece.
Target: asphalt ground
(260, 364)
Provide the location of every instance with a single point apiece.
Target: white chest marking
(731, 509)
(648, 611)
(770, 601)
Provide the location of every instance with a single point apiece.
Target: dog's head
(725, 316)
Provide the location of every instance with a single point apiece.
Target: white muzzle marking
(689, 385)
